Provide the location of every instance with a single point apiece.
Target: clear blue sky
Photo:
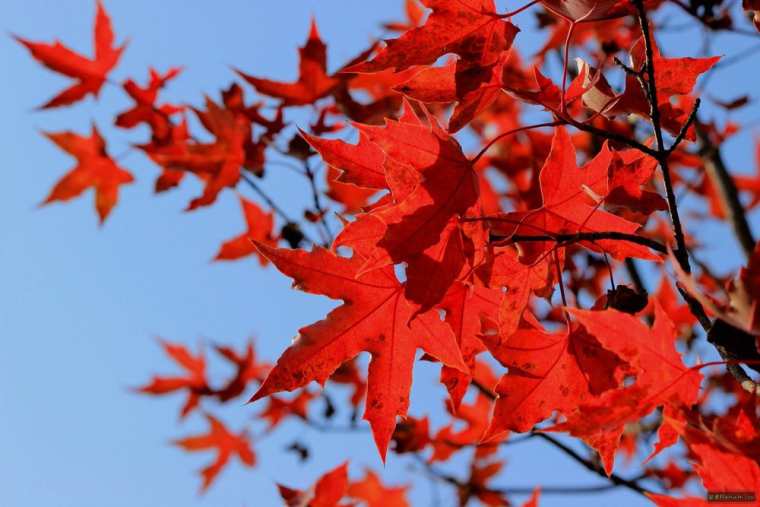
(81, 305)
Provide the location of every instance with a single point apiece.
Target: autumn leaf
(516, 282)
(94, 169)
(217, 163)
(661, 378)
(375, 318)
(447, 188)
(455, 437)
(247, 369)
(373, 493)
(473, 87)
(568, 195)
(548, 372)
(259, 225)
(352, 197)
(313, 82)
(194, 380)
(226, 445)
(326, 492)
(465, 307)
(279, 408)
(360, 164)
(145, 109)
(414, 16)
(90, 73)
(477, 485)
(469, 28)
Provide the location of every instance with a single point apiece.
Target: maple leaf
(630, 173)
(465, 306)
(469, 28)
(313, 82)
(373, 493)
(375, 317)
(247, 369)
(475, 416)
(567, 207)
(259, 224)
(360, 164)
(477, 485)
(547, 373)
(348, 374)
(516, 281)
(673, 77)
(94, 169)
(446, 187)
(534, 497)
(721, 466)
(473, 87)
(414, 15)
(543, 91)
(218, 163)
(194, 380)
(411, 435)
(145, 109)
(352, 197)
(280, 408)
(225, 443)
(423, 209)
(326, 492)
(89, 73)
(651, 351)
(661, 378)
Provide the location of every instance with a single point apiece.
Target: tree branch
(583, 236)
(631, 484)
(681, 252)
(726, 189)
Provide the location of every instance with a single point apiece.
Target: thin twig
(685, 127)
(583, 236)
(681, 252)
(631, 484)
(256, 188)
(726, 189)
(317, 201)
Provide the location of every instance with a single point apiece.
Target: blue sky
(81, 305)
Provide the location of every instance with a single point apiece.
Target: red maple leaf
(568, 195)
(469, 28)
(326, 492)
(145, 109)
(548, 373)
(279, 408)
(225, 443)
(465, 307)
(89, 73)
(313, 82)
(661, 378)
(373, 493)
(375, 317)
(247, 369)
(439, 185)
(473, 87)
(217, 163)
(259, 224)
(94, 169)
(194, 380)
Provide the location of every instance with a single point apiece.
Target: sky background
(81, 305)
